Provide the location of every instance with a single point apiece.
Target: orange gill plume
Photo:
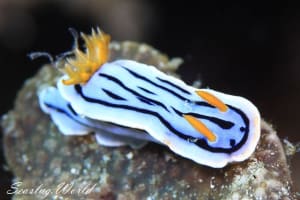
(84, 64)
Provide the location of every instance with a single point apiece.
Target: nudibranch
(125, 102)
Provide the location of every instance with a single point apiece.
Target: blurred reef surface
(78, 168)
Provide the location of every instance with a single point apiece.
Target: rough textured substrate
(39, 155)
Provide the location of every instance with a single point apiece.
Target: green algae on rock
(78, 168)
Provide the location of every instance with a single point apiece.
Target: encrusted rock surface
(72, 167)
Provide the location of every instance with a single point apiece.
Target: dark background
(251, 50)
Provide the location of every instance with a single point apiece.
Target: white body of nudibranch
(129, 103)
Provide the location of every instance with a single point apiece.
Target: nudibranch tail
(213, 100)
(84, 64)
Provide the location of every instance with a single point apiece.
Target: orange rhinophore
(200, 127)
(213, 100)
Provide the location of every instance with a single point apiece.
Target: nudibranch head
(83, 65)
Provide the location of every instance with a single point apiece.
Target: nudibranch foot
(62, 114)
(111, 140)
(70, 122)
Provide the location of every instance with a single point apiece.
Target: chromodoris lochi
(125, 102)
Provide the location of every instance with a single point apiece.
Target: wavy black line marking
(145, 101)
(202, 143)
(173, 85)
(138, 76)
(220, 122)
(117, 81)
(145, 90)
(113, 95)
(71, 109)
(203, 103)
(63, 111)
